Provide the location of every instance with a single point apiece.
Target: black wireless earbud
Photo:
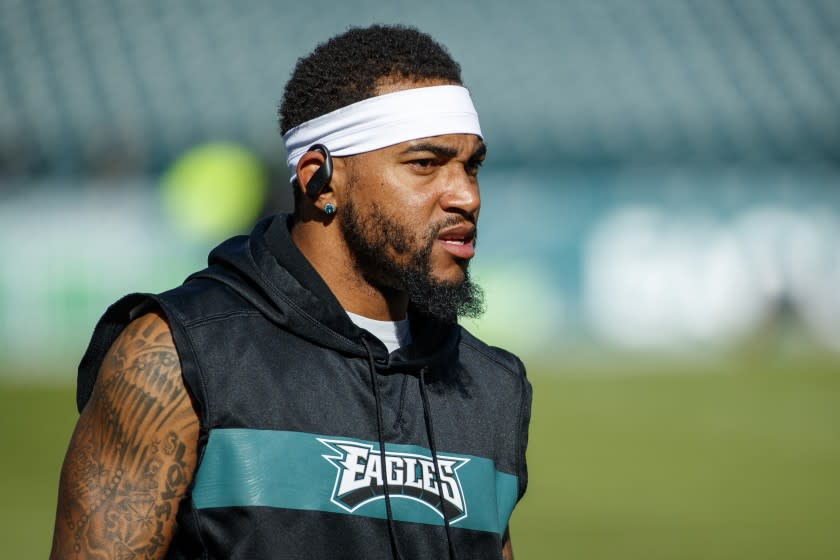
(320, 178)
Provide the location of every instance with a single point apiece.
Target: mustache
(452, 221)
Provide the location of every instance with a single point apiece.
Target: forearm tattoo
(132, 453)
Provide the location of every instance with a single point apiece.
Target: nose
(461, 193)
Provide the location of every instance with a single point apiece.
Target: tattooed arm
(132, 454)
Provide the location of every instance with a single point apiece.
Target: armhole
(524, 424)
(146, 306)
(107, 329)
(191, 372)
(194, 381)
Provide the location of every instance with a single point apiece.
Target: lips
(459, 241)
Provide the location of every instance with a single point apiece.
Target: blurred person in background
(244, 413)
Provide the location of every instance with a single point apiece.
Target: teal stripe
(245, 467)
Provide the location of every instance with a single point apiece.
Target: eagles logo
(408, 475)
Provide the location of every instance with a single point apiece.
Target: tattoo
(132, 454)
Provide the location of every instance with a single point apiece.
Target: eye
(423, 163)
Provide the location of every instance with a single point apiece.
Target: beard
(374, 240)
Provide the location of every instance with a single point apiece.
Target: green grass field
(725, 461)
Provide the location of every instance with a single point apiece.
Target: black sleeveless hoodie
(295, 403)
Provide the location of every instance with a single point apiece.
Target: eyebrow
(444, 151)
(480, 152)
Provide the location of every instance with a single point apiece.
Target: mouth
(459, 241)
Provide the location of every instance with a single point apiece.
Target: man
(244, 413)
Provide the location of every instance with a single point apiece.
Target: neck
(326, 251)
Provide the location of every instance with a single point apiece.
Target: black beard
(369, 239)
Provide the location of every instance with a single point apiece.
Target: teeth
(454, 241)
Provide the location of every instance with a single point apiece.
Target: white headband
(385, 120)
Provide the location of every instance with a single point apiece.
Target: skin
(507, 547)
(133, 452)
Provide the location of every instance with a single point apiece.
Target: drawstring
(430, 430)
(391, 534)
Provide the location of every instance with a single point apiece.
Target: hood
(266, 268)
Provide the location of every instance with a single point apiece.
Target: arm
(507, 547)
(132, 454)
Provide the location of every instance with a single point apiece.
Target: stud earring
(329, 208)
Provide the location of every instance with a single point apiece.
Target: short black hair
(349, 67)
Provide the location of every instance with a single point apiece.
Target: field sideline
(740, 462)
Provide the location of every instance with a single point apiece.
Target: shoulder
(141, 365)
(143, 354)
(500, 358)
(203, 297)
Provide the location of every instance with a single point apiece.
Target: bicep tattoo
(132, 453)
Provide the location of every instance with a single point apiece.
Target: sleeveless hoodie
(295, 404)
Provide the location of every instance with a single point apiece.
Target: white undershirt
(393, 334)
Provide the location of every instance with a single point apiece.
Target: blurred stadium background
(659, 240)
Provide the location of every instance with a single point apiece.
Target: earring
(329, 208)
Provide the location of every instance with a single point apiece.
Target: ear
(309, 164)
(309, 167)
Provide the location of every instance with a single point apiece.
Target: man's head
(407, 210)
(351, 67)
